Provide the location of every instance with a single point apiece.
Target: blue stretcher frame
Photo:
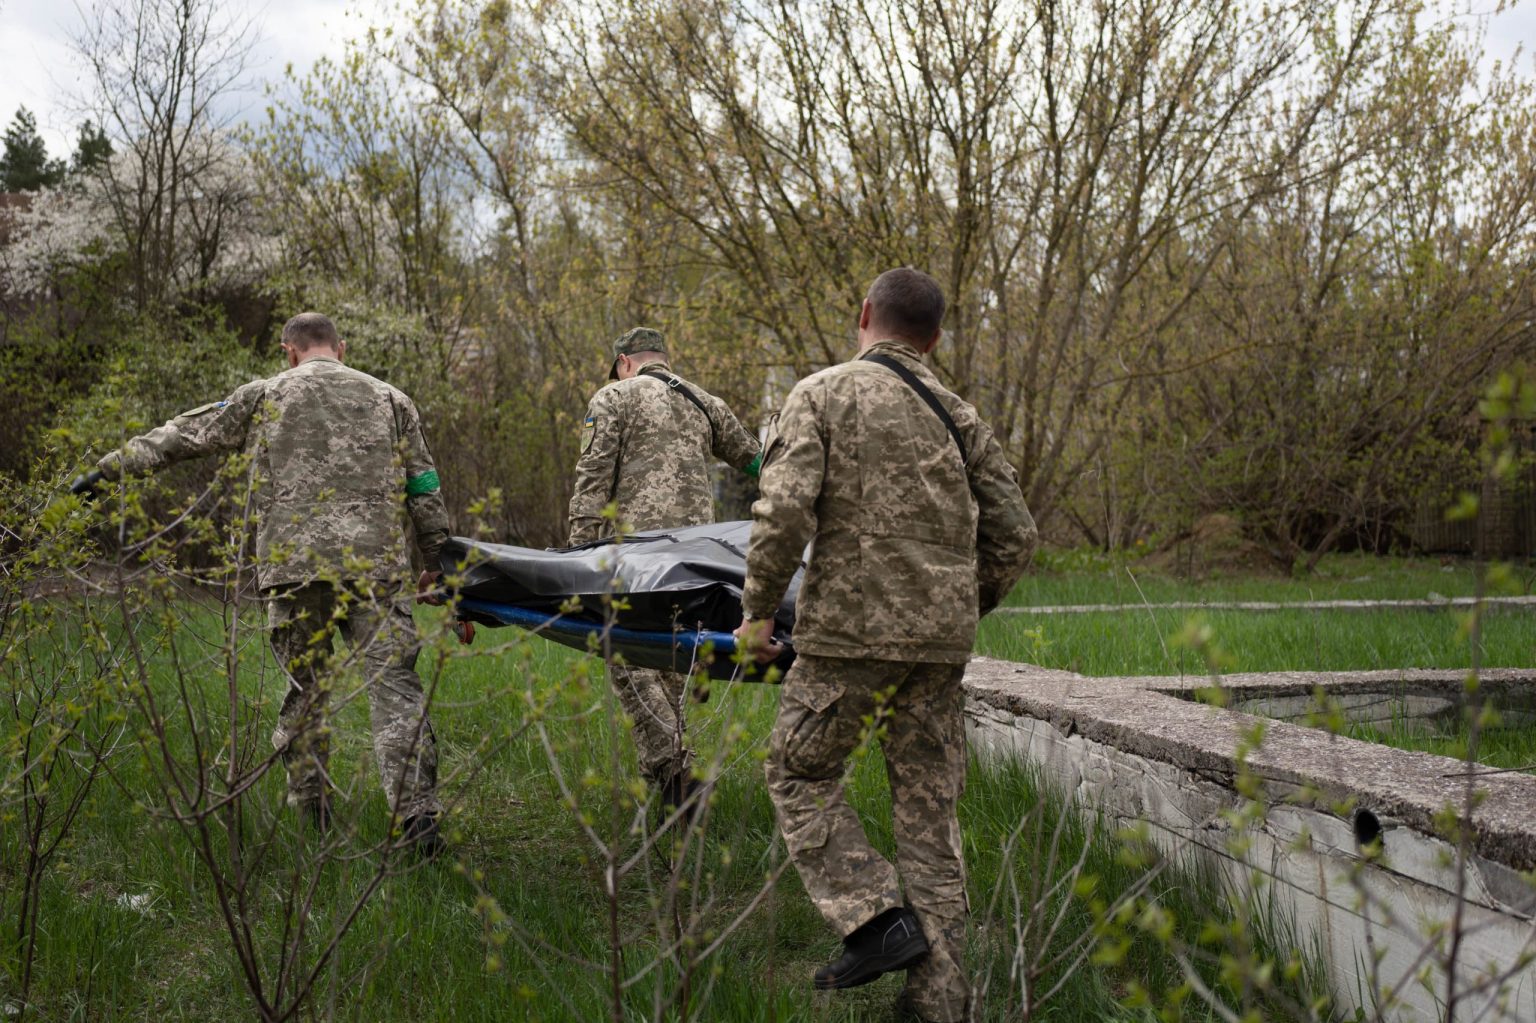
(574, 632)
(724, 643)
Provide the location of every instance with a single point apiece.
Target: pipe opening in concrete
(1367, 827)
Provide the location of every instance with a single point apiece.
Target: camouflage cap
(636, 339)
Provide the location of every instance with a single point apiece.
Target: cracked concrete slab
(1144, 749)
(1157, 717)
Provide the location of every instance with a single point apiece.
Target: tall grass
(1147, 641)
(505, 928)
(1091, 577)
(1500, 746)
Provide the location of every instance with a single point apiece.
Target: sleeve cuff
(432, 561)
(755, 605)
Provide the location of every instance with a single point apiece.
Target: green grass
(495, 932)
(1152, 641)
(1084, 577)
(1508, 747)
(491, 934)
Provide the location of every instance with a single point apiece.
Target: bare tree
(163, 77)
(1333, 362)
(1071, 174)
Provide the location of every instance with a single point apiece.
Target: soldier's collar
(660, 367)
(893, 345)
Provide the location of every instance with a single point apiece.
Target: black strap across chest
(922, 391)
(677, 385)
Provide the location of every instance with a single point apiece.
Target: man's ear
(865, 311)
(289, 355)
(341, 351)
(933, 342)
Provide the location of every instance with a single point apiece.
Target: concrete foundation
(1144, 750)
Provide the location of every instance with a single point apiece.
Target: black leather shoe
(420, 835)
(891, 941)
(84, 485)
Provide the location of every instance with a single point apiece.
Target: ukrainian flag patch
(588, 431)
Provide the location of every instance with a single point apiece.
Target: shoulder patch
(588, 431)
(203, 408)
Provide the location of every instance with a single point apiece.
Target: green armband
(426, 483)
(755, 467)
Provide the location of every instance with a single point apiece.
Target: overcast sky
(38, 69)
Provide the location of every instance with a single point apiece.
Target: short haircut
(907, 302)
(307, 330)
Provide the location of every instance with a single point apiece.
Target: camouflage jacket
(334, 454)
(647, 447)
(909, 546)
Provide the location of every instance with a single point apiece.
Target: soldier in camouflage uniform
(646, 445)
(334, 452)
(918, 528)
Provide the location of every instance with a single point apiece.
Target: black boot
(420, 834)
(318, 813)
(891, 941)
(682, 792)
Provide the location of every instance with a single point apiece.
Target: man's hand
(427, 589)
(754, 637)
(85, 484)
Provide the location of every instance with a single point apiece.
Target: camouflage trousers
(653, 700)
(822, 712)
(379, 630)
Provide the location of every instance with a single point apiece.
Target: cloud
(40, 68)
(43, 73)
(299, 32)
(1510, 30)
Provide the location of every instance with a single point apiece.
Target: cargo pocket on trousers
(816, 744)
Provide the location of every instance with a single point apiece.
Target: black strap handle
(911, 380)
(681, 388)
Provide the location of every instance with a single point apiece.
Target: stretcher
(667, 599)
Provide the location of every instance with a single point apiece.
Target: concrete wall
(1141, 750)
